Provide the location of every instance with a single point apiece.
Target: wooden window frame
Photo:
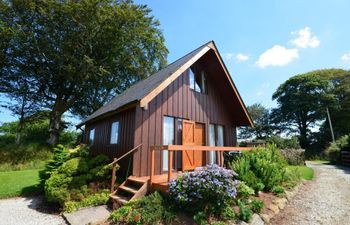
(110, 133)
(203, 77)
(91, 143)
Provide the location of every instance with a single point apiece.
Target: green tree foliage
(76, 55)
(302, 101)
(262, 125)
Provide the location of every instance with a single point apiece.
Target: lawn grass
(15, 183)
(306, 173)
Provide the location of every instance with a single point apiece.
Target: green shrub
(261, 169)
(278, 190)
(151, 209)
(200, 218)
(92, 200)
(256, 205)
(70, 173)
(74, 166)
(292, 177)
(245, 213)
(218, 223)
(227, 213)
(60, 155)
(333, 152)
(244, 191)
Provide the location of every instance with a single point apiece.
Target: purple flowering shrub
(209, 189)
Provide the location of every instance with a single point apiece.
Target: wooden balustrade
(114, 164)
(172, 148)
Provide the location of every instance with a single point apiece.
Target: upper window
(114, 132)
(197, 80)
(92, 136)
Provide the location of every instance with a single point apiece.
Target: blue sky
(263, 43)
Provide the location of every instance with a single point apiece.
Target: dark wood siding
(178, 100)
(103, 134)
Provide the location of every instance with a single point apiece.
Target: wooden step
(120, 199)
(128, 189)
(136, 180)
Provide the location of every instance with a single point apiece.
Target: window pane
(191, 76)
(92, 136)
(114, 132)
(212, 154)
(220, 130)
(198, 87)
(203, 84)
(168, 138)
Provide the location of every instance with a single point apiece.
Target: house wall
(178, 100)
(103, 134)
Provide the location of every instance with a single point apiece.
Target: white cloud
(346, 57)
(305, 39)
(241, 57)
(229, 56)
(277, 56)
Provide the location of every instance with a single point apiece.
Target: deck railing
(172, 148)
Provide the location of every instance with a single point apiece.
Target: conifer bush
(261, 169)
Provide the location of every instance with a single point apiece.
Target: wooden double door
(193, 134)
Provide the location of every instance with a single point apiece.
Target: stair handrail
(114, 163)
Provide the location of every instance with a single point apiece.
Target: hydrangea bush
(209, 189)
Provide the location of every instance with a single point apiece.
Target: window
(92, 136)
(168, 138)
(114, 133)
(197, 80)
(216, 138)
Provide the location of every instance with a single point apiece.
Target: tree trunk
(304, 143)
(55, 126)
(20, 124)
(19, 131)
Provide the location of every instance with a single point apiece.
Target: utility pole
(330, 124)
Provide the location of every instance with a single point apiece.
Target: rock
(230, 222)
(256, 220)
(266, 218)
(280, 202)
(90, 215)
(241, 222)
(273, 208)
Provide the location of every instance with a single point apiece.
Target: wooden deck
(159, 182)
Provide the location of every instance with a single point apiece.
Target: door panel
(199, 138)
(188, 129)
(192, 134)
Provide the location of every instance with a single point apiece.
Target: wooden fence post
(152, 166)
(170, 164)
(113, 175)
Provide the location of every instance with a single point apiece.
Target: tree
(302, 101)
(262, 127)
(74, 53)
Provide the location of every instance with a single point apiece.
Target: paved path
(26, 211)
(325, 200)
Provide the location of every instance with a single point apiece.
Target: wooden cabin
(180, 118)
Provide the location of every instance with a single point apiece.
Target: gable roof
(145, 90)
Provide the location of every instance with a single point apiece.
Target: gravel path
(325, 200)
(26, 211)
